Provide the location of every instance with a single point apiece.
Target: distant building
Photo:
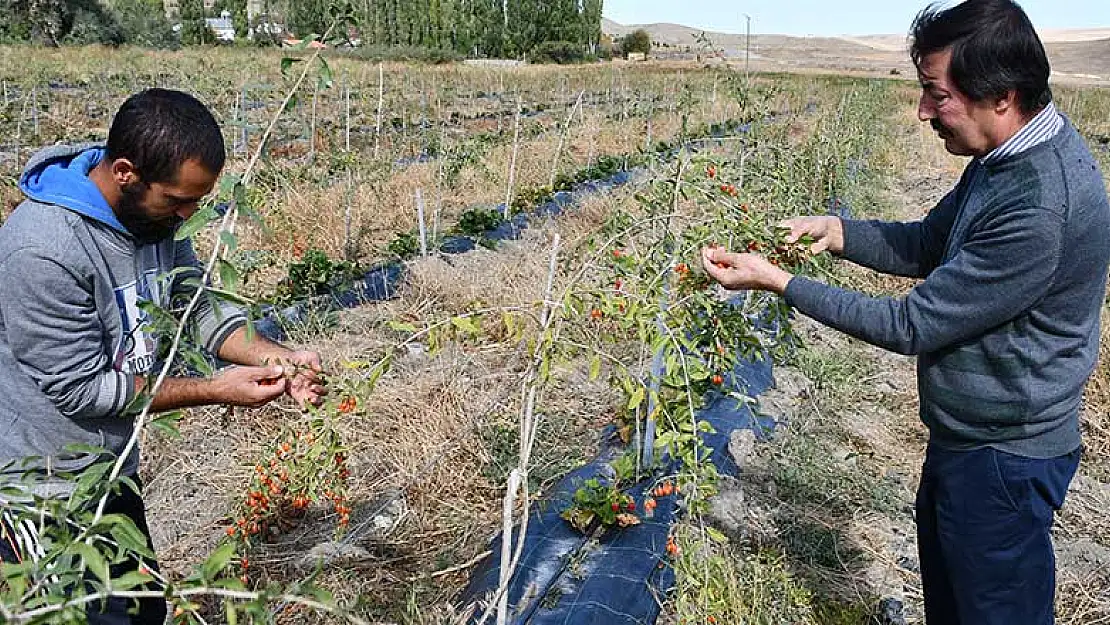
(260, 21)
(222, 26)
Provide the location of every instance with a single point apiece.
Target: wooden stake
(562, 140)
(381, 101)
(347, 107)
(512, 161)
(420, 220)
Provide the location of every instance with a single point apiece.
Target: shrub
(561, 52)
(637, 41)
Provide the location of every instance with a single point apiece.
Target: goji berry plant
(303, 467)
(645, 286)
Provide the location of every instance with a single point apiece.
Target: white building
(222, 26)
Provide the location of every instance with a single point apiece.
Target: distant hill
(1075, 54)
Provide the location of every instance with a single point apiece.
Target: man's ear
(124, 172)
(1007, 103)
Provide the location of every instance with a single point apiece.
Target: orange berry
(231, 531)
(596, 314)
(718, 380)
(245, 563)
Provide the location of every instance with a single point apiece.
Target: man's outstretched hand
(827, 232)
(306, 382)
(251, 387)
(743, 271)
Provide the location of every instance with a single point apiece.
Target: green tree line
(486, 28)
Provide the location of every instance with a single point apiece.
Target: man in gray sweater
(93, 240)
(1005, 323)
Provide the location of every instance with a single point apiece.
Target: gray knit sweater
(72, 333)
(1006, 322)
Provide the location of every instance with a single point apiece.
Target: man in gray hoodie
(94, 240)
(1005, 323)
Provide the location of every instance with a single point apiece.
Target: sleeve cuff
(216, 341)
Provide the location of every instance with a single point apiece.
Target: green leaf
(230, 241)
(198, 361)
(402, 327)
(93, 560)
(467, 324)
(224, 295)
(595, 367)
(196, 223)
(129, 580)
(636, 399)
(81, 448)
(229, 275)
(127, 534)
(291, 104)
(167, 424)
(91, 481)
(324, 80)
(716, 535)
(287, 62)
(228, 182)
(218, 561)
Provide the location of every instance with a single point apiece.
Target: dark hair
(159, 129)
(994, 50)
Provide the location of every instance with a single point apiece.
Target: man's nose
(925, 109)
(187, 211)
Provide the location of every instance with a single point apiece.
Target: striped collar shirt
(1044, 126)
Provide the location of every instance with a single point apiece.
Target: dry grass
(436, 435)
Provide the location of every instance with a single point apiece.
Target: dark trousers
(17, 543)
(983, 534)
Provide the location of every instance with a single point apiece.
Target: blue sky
(832, 17)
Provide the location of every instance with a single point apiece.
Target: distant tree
(53, 22)
(637, 41)
(591, 26)
(194, 30)
(143, 23)
(91, 22)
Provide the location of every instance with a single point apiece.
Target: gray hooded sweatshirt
(72, 334)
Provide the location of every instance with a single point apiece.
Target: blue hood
(60, 175)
